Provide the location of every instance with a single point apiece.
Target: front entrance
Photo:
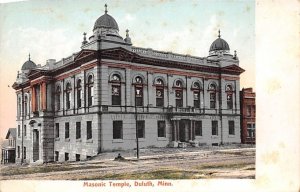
(35, 145)
(182, 131)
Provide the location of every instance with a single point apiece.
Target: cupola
(219, 46)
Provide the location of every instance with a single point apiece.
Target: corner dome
(28, 65)
(106, 21)
(219, 45)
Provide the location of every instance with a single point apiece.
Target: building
(9, 147)
(110, 92)
(247, 116)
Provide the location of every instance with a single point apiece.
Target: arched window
(229, 93)
(79, 93)
(178, 93)
(68, 96)
(90, 88)
(25, 105)
(196, 92)
(212, 95)
(159, 92)
(116, 89)
(57, 95)
(139, 98)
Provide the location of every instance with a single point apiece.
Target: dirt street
(154, 163)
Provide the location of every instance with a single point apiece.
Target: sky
(53, 30)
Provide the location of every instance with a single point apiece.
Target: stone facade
(106, 95)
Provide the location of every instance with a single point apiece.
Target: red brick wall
(247, 98)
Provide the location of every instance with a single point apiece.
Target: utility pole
(22, 124)
(136, 130)
(220, 101)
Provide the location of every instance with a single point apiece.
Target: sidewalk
(153, 151)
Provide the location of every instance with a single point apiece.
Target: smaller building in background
(247, 99)
(9, 147)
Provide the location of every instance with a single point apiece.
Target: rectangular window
(159, 97)
(179, 96)
(161, 128)
(67, 127)
(68, 101)
(248, 110)
(198, 128)
(18, 151)
(141, 129)
(25, 130)
(79, 97)
(212, 100)
(57, 130)
(58, 100)
(116, 95)
(66, 156)
(19, 131)
(117, 130)
(78, 130)
(90, 95)
(139, 99)
(251, 130)
(56, 155)
(231, 127)
(77, 157)
(214, 125)
(89, 130)
(196, 99)
(24, 152)
(229, 101)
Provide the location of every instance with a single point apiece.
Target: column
(191, 130)
(177, 130)
(43, 96)
(33, 99)
(174, 136)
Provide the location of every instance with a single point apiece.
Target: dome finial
(105, 8)
(219, 33)
(127, 39)
(84, 38)
(29, 57)
(235, 55)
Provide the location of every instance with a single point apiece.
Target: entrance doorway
(182, 131)
(35, 145)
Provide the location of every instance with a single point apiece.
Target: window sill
(67, 140)
(89, 141)
(161, 138)
(142, 139)
(214, 136)
(78, 140)
(117, 141)
(199, 136)
(231, 136)
(57, 139)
